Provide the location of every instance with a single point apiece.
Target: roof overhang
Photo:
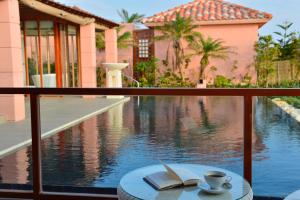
(57, 12)
(260, 22)
(71, 14)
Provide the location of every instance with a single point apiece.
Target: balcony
(222, 118)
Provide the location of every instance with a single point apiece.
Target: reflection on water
(204, 130)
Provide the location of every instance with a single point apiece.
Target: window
(143, 48)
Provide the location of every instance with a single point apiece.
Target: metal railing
(134, 80)
(37, 193)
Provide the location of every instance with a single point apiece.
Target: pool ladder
(137, 83)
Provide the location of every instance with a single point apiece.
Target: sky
(282, 10)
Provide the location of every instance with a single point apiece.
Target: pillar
(88, 55)
(111, 46)
(12, 107)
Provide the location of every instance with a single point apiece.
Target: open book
(172, 177)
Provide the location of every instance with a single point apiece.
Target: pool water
(203, 130)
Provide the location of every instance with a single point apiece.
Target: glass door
(48, 53)
(69, 58)
(32, 53)
(73, 58)
(39, 53)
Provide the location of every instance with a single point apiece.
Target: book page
(162, 180)
(171, 171)
(185, 176)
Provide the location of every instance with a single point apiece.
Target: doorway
(50, 54)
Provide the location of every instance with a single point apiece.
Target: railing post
(36, 145)
(248, 138)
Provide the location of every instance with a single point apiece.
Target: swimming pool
(204, 130)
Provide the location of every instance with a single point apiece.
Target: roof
(80, 12)
(211, 11)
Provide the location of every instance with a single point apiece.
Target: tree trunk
(178, 60)
(203, 65)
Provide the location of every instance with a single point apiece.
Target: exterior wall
(12, 107)
(241, 38)
(88, 55)
(124, 55)
(111, 48)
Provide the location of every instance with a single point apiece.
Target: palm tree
(208, 48)
(133, 18)
(175, 32)
(124, 40)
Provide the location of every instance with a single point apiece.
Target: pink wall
(240, 38)
(111, 48)
(12, 107)
(124, 55)
(88, 55)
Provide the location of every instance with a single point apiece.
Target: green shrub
(147, 72)
(287, 84)
(222, 82)
(294, 101)
(101, 76)
(170, 79)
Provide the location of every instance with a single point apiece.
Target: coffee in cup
(216, 179)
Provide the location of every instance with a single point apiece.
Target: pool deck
(57, 114)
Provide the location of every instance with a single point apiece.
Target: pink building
(47, 44)
(236, 25)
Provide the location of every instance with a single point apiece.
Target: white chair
(294, 196)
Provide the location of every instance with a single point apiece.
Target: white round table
(133, 187)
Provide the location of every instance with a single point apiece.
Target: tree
(124, 39)
(175, 32)
(295, 61)
(127, 18)
(208, 48)
(267, 52)
(285, 41)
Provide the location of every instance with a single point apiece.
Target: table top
(133, 184)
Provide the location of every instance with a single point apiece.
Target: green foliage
(100, 41)
(266, 53)
(176, 31)
(101, 76)
(222, 82)
(171, 79)
(133, 18)
(124, 39)
(294, 101)
(286, 41)
(208, 48)
(147, 72)
(287, 84)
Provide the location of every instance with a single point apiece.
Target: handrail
(35, 94)
(131, 78)
(152, 91)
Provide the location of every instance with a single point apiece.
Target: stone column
(111, 47)
(12, 107)
(88, 55)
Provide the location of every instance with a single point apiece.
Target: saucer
(206, 188)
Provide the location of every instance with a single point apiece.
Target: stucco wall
(124, 55)
(240, 38)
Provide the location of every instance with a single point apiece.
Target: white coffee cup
(215, 179)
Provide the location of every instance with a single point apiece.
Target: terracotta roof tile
(210, 10)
